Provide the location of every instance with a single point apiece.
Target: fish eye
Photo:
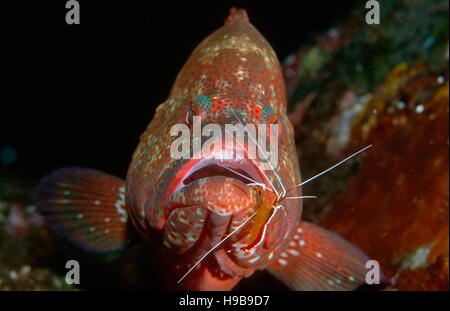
(189, 117)
(194, 110)
(278, 129)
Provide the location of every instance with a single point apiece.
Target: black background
(82, 94)
(132, 300)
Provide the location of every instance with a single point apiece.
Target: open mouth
(227, 163)
(243, 172)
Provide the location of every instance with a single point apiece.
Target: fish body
(219, 218)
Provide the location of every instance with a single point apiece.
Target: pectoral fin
(85, 206)
(317, 259)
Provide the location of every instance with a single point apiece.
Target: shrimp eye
(189, 117)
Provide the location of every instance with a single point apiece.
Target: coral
(396, 207)
(384, 85)
(25, 243)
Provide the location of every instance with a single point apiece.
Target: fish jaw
(205, 280)
(199, 213)
(219, 163)
(206, 205)
(205, 276)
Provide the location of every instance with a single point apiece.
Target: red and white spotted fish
(209, 222)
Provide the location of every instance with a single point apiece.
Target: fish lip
(243, 165)
(243, 170)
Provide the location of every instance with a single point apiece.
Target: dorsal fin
(236, 16)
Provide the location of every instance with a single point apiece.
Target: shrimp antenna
(302, 197)
(329, 169)
(253, 182)
(265, 157)
(262, 171)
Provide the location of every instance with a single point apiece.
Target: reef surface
(387, 86)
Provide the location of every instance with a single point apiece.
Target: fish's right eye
(194, 110)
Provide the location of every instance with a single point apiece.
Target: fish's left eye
(189, 117)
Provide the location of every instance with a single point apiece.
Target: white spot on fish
(351, 278)
(282, 262)
(107, 219)
(184, 221)
(319, 255)
(241, 73)
(240, 254)
(299, 230)
(293, 252)
(120, 205)
(79, 216)
(92, 229)
(66, 193)
(97, 202)
(302, 243)
(296, 237)
(283, 254)
(239, 244)
(190, 238)
(420, 108)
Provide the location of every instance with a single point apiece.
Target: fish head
(224, 206)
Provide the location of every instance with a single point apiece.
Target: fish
(209, 221)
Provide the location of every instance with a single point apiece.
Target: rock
(26, 247)
(386, 86)
(396, 207)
